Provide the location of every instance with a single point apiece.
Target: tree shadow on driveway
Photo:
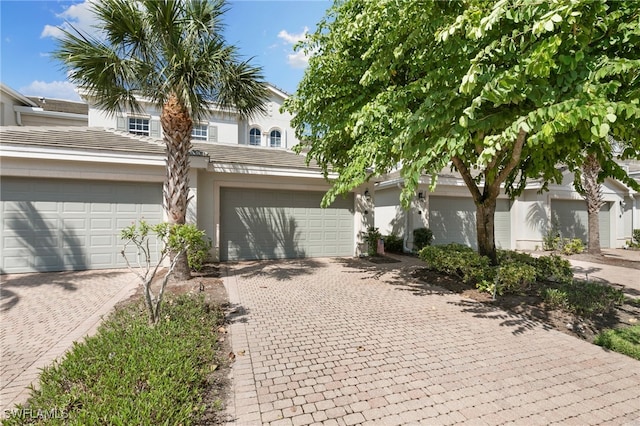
(281, 270)
(68, 281)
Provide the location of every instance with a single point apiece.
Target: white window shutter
(213, 133)
(121, 123)
(154, 128)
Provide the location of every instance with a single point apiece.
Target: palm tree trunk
(176, 126)
(592, 193)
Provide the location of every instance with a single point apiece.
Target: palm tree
(589, 186)
(171, 53)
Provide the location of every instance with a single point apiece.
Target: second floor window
(254, 137)
(275, 138)
(139, 126)
(199, 132)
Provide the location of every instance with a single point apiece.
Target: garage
(570, 217)
(57, 225)
(453, 220)
(279, 224)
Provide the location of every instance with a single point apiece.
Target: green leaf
(612, 118)
(604, 130)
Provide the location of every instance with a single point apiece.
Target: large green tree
(171, 53)
(500, 91)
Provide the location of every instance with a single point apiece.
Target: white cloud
(54, 90)
(293, 38)
(78, 15)
(297, 59)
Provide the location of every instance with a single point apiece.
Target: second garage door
(571, 219)
(453, 220)
(57, 225)
(274, 224)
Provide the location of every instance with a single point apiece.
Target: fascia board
(83, 156)
(17, 96)
(53, 114)
(261, 170)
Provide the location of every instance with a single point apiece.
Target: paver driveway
(42, 314)
(348, 342)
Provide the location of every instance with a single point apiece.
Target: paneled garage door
(453, 220)
(571, 218)
(274, 224)
(56, 225)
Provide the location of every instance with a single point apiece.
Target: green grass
(131, 373)
(623, 340)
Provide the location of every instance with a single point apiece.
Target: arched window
(254, 137)
(275, 138)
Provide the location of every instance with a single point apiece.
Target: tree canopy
(501, 91)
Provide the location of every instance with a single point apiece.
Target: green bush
(572, 246)
(393, 244)
(130, 373)
(515, 278)
(371, 237)
(516, 273)
(635, 242)
(553, 268)
(188, 234)
(551, 242)
(584, 298)
(459, 260)
(422, 237)
(624, 340)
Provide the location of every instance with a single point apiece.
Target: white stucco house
(72, 176)
(520, 223)
(66, 190)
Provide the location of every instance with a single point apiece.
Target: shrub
(130, 373)
(572, 246)
(624, 340)
(585, 298)
(553, 268)
(459, 260)
(422, 237)
(371, 237)
(393, 243)
(635, 242)
(515, 277)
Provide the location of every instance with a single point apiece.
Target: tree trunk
(177, 125)
(592, 193)
(485, 228)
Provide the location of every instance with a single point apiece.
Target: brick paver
(42, 314)
(343, 341)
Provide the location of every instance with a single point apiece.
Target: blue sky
(264, 30)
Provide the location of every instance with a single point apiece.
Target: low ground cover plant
(130, 373)
(549, 277)
(623, 340)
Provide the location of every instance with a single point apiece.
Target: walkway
(348, 342)
(41, 315)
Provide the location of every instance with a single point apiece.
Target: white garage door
(571, 219)
(57, 225)
(273, 224)
(453, 220)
